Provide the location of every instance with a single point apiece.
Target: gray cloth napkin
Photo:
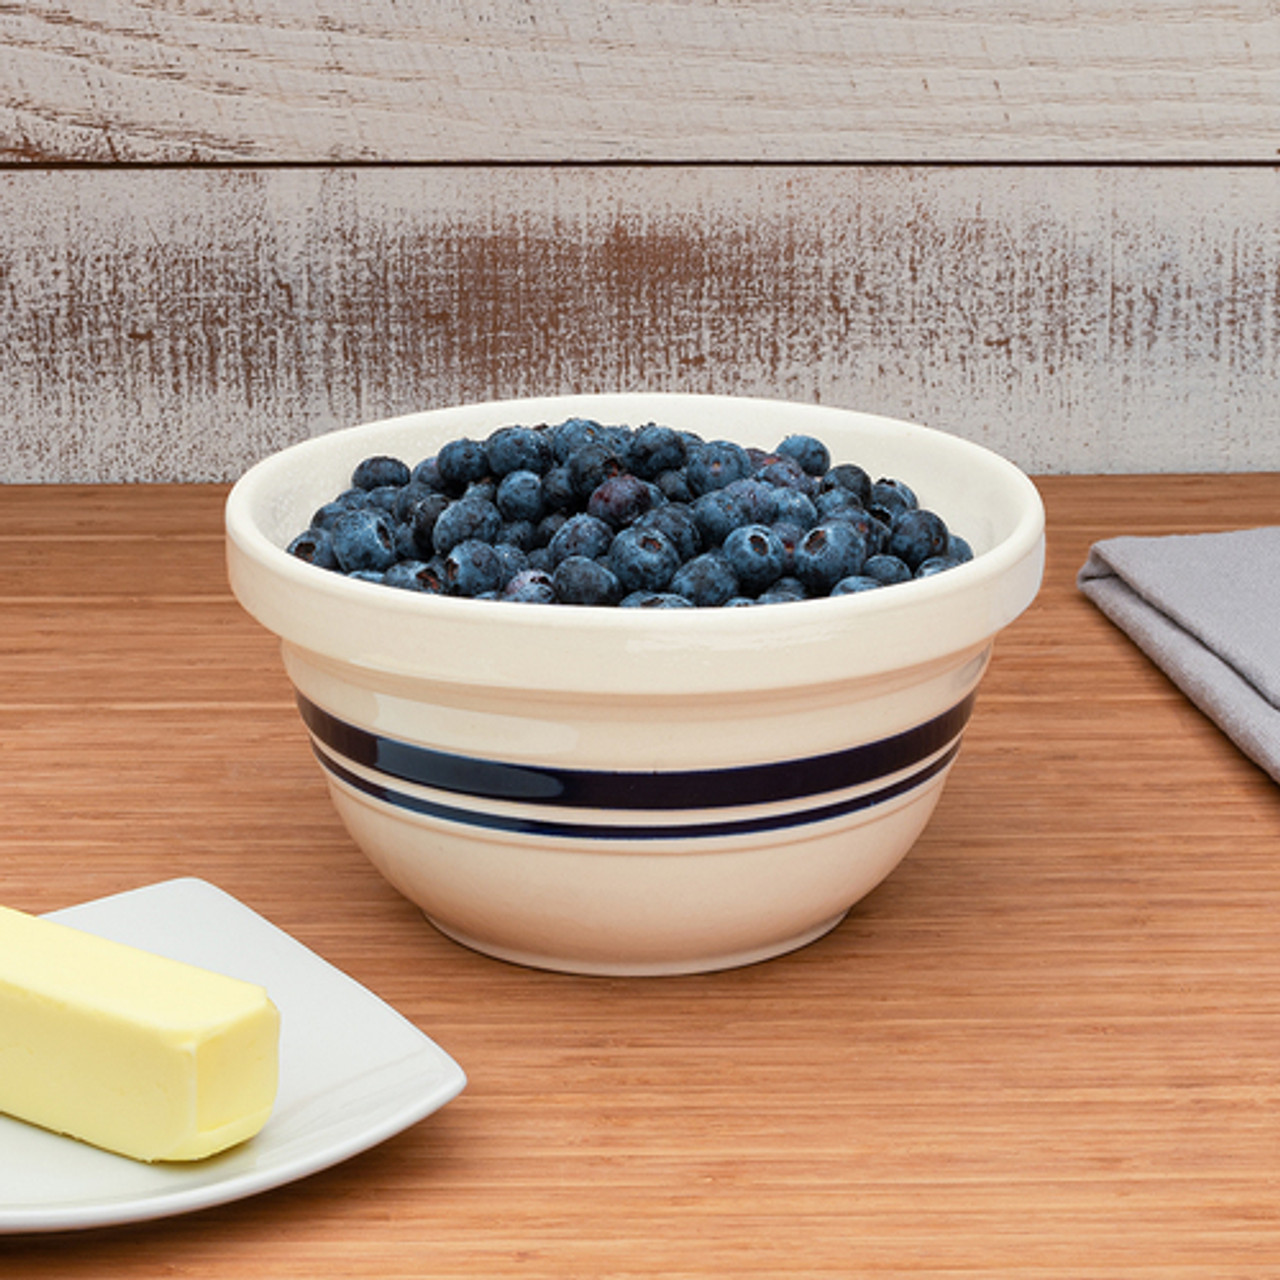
(1206, 609)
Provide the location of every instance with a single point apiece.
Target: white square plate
(353, 1072)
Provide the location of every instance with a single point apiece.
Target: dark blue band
(813, 776)
(564, 830)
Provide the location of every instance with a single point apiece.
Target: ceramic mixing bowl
(638, 791)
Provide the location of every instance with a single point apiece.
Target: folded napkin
(1206, 609)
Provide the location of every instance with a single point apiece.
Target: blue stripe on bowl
(565, 830)
(812, 776)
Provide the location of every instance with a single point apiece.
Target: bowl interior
(981, 496)
(978, 493)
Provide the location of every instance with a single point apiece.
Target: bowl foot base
(695, 963)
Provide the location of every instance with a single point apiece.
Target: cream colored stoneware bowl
(614, 791)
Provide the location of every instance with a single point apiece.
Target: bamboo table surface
(1047, 1046)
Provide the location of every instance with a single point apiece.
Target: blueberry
(756, 555)
(518, 533)
(531, 586)
(619, 439)
(716, 514)
(783, 591)
(917, 535)
(426, 473)
(837, 502)
(958, 549)
(889, 497)
(326, 517)
(511, 561)
(887, 569)
(579, 580)
(467, 519)
(936, 564)
(422, 519)
(581, 535)
(527, 576)
(315, 546)
(708, 580)
(620, 500)
(589, 467)
(854, 584)
(654, 600)
(472, 568)
(548, 527)
(384, 498)
(572, 434)
(791, 506)
(518, 449)
(460, 463)
(643, 559)
(674, 485)
(519, 495)
(655, 449)
(829, 551)
(787, 473)
(362, 539)
(790, 535)
(406, 543)
(380, 470)
(407, 496)
(557, 489)
(812, 455)
(758, 499)
(872, 529)
(486, 489)
(415, 575)
(676, 520)
(850, 477)
(716, 464)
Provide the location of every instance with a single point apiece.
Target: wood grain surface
(333, 81)
(1045, 1048)
(163, 325)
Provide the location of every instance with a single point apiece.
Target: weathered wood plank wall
(695, 80)
(1053, 229)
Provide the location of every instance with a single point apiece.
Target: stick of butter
(130, 1051)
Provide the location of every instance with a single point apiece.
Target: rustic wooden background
(1053, 228)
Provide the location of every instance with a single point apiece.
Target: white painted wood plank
(159, 325)
(778, 80)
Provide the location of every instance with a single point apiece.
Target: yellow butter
(127, 1050)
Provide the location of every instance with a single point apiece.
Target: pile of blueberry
(589, 514)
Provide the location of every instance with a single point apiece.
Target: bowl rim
(250, 551)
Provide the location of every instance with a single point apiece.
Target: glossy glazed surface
(493, 759)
